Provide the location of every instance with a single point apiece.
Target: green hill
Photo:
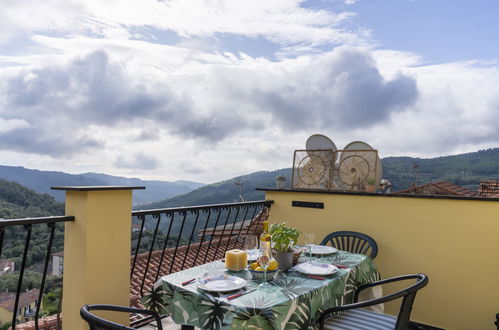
(17, 201)
(226, 191)
(465, 169)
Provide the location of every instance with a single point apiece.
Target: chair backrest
(408, 295)
(352, 241)
(97, 323)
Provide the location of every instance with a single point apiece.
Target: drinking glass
(264, 260)
(309, 242)
(251, 246)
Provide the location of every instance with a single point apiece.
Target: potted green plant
(284, 239)
(280, 182)
(371, 185)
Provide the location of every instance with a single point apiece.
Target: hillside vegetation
(17, 201)
(226, 191)
(465, 169)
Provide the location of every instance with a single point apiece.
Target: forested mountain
(465, 169)
(41, 181)
(17, 201)
(227, 191)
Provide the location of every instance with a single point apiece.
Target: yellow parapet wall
(96, 251)
(454, 241)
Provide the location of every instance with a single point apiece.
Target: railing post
(96, 251)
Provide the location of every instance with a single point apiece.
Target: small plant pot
(285, 259)
(371, 188)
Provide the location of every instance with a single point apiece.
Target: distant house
(439, 188)
(489, 188)
(6, 266)
(58, 263)
(26, 306)
(135, 227)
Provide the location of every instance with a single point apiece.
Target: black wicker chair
(353, 317)
(352, 241)
(98, 323)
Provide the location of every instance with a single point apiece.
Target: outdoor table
(294, 301)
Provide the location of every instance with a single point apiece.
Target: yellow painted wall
(454, 242)
(97, 253)
(5, 315)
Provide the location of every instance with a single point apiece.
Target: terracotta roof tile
(439, 188)
(46, 323)
(58, 254)
(25, 299)
(488, 188)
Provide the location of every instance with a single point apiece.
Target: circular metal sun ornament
(312, 169)
(363, 146)
(353, 170)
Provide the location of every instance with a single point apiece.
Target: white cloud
(282, 21)
(7, 125)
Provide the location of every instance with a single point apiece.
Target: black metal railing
(172, 239)
(16, 236)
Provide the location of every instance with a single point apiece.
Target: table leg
(186, 327)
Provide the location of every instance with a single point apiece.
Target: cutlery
(341, 266)
(308, 275)
(188, 282)
(315, 277)
(234, 296)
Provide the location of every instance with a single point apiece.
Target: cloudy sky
(210, 89)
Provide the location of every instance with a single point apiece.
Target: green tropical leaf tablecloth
(292, 302)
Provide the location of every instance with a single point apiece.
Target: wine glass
(264, 260)
(251, 246)
(309, 242)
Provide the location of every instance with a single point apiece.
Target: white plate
(315, 268)
(323, 249)
(222, 283)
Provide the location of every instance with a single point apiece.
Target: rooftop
(488, 188)
(439, 188)
(26, 298)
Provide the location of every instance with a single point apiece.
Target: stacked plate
(323, 249)
(315, 268)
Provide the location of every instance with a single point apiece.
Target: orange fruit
(273, 264)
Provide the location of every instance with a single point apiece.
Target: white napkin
(315, 268)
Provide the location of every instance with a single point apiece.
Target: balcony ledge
(362, 193)
(95, 188)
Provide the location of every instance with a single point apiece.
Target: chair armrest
(115, 308)
(328, 312)
(381, 282)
